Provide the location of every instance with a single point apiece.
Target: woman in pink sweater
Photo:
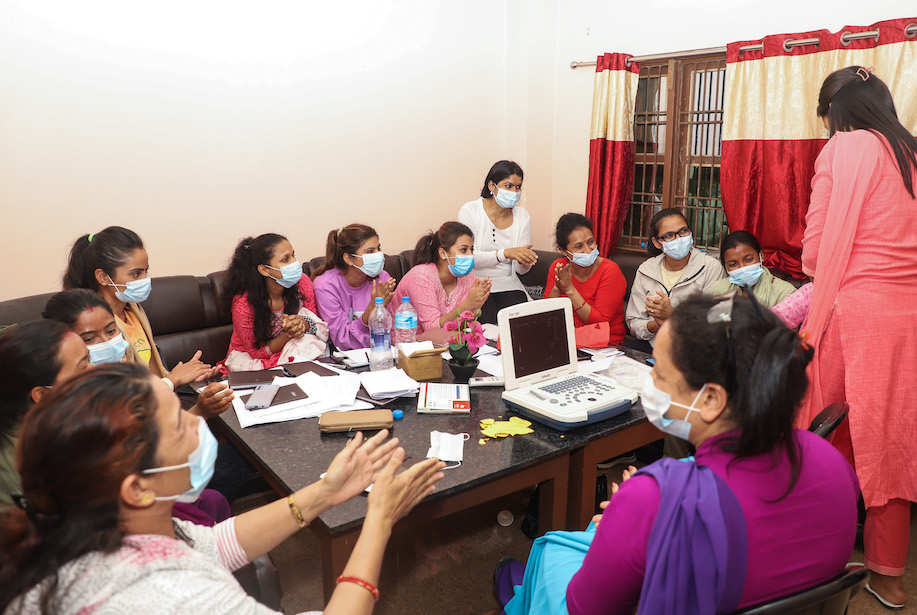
(440, 284)
(860, 246)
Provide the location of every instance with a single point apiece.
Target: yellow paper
(501, 429)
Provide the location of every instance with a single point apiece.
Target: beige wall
(198, 122)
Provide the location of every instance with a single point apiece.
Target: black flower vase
(462, 373)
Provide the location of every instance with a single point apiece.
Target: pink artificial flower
(478, 329)
(475, 342)
(466, 315)
(451, 326)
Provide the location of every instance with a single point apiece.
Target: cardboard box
(423, 364)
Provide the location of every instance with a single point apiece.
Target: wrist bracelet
(297, 514)
(358, 581)
(169, 384)
(580, 305)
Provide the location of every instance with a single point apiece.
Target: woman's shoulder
(424, 271)
(473, 206)
(326, 278)
(718, 287)
(651, 264)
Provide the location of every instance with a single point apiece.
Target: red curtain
(611, 148)
(771, 135)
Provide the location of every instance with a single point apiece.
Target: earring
(147, 498)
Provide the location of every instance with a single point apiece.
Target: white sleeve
(524, 237)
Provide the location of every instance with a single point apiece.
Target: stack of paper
(358, 357)
(389, 383)
(328, 394)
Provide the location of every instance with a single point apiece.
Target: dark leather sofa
(185, 316)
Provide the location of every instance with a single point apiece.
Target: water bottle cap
(397, 414)
(405, 299)
(379, 301)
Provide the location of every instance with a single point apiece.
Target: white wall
(197, 122)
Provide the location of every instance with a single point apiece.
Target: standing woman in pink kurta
(860, 246)
(440, 284)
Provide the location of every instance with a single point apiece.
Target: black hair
(66, 306)
(758, 360)
(853, 98)
(244, 279)
(106, 250)
(427, 248)
(83, 439)
(29, 358)
(500, 171)
(737, 238)
(656, 222)
(566, 224)
(344, 241)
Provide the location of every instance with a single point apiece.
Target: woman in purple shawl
(747, 519)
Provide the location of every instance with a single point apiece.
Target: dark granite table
(293, 454)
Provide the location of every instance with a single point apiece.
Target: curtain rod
(910, 31)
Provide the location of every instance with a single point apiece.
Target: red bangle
(358, 581)
(580, 305)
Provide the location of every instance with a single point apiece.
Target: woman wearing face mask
(347, 285)
(741, 255)
(594, 285)
(93, 530)
(676, 270)
(35, 357)
(502, 237)
(274, 316)
(861, 249)
(114, 264)
(740, 523)
(440, 284)
(90, 317)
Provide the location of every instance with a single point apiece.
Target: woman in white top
(502, 237)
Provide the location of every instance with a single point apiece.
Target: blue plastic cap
(397, 414)
(405, 299)
(379, 301)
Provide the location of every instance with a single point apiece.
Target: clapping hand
(659, 307)
(563, 278)
(213, 400)
(356, 466)
(523, 254)
(394, 496)
(382, 289)
(191, 371)
(478, 294)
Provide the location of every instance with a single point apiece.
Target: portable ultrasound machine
(540, 369)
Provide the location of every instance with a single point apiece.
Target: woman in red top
(594, 284)
(272, 303)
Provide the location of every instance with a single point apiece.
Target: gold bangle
(296, 512)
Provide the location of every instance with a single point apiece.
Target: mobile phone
(262, 397)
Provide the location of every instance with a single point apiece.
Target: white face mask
(372, 263)
(679, 247)
(447, 446)
(656, 403)
(111, 351)
(507, 199)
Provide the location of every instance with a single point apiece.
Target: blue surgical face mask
(583, 260)
(372, 263)
(201, 462)
(679, 247)
(655, 404)
(463, 265)
(746, 276)
(507, 199)
(291, 274)
(135, 291)
(111, 351)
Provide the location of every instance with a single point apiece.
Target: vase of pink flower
(467, 339)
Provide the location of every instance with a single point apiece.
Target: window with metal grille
(678, 125)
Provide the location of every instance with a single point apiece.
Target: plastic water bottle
(380, 338)
(405, 323)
